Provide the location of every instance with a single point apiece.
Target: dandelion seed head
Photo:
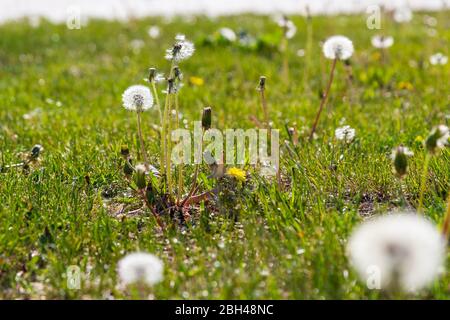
(382, 42)
(338, 47)
(345, 133)
(288, 26)
(402, 15)
(438, 138)
(228, 34)
(405, 248)
(140, 267)
(137, 98)
(181, 50)
(438, 58)
(154, 32)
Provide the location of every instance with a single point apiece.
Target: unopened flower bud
(400, 160)
(128, 167)
(177, 73)
(36, 151)
(151, 74)
(140, 177)
(262, 83)
(124, 151)
(151, 194)
(206, 118)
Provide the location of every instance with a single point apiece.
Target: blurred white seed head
(438, 58)
(338, 47)
(345, 133)
(154, 32)
(181, 50)
(140, 267)
(288, 26)
(406, 250)
(228, 34)
(137, 98)
(403, 14)
(437, 139)
(382, 42)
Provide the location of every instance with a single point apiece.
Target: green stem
(180, 166)
(446, 225)
(155, 93)
(141, 140)
(169, 146)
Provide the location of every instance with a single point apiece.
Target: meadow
(62, 89)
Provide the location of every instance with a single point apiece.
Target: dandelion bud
(400, 160)
(262, 83)
(35, 151)
(206, 118)
(151, 74)
(437, 139)
(171, 86)
(140, 176)
(177, 73)
(150, 194)
(124, 151)
(128, 167)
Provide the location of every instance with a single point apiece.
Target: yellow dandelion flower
(404, 85)
(419, 139)
(196, 81)
(237, 173)
(376, 56)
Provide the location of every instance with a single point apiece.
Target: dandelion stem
(285, 70)
(168, 145)
(141, 140)
(308, 52)
(324, 99)
(155, 93)
(180, 166)
(164, 138)
(264, 105)
(423, 181)
(194, 182)
(161, 119)
(446, 225)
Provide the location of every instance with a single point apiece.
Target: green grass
(286, 244)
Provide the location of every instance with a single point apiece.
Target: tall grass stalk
(324, 100)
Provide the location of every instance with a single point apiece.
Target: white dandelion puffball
(289, 27)
(382, 42)
(402, 249)
(228, 34)
(137, 98)
(443, 134)
(402, 15)
(338, 47)
(438, 58)
(181, 50)
(140, 267)
(154, 32)
(345, 133)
